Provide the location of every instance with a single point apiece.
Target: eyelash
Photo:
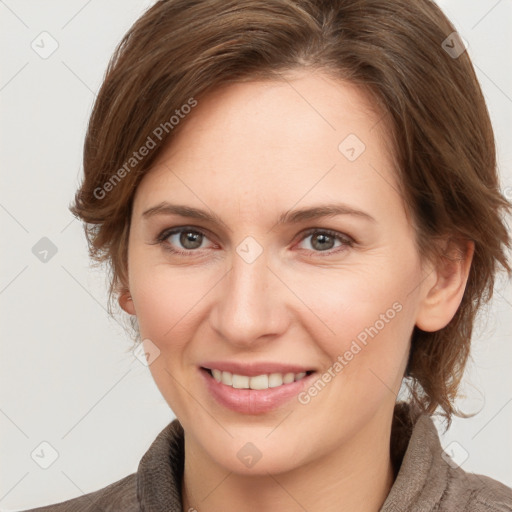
(164, 235)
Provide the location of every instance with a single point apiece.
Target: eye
(186, 239)
(323, 240)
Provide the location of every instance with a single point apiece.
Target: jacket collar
(420, 472)
(160, 471)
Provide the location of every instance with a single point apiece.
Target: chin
(238, 460)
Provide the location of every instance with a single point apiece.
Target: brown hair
(443, 139)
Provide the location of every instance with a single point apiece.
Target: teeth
(241, 382)
(272, 380)
(288, 378)
(275, 379)
(226, 378)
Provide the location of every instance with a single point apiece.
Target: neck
(355, 477)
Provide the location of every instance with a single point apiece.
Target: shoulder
(120, 495)
(428, 479)
(474, 493)
(155, 485)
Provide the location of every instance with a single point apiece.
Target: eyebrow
(289, 217)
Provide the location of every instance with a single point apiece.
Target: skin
(250, 152)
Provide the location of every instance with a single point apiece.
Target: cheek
(340, 304)
(366, 355)
(167, 303)
(363, 319)
(165, 300)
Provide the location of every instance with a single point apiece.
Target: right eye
(188, 238)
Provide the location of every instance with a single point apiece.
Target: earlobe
(126, 302)
(443, 292)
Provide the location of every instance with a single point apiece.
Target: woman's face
(262, 279)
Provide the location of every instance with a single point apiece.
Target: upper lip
(255, 368)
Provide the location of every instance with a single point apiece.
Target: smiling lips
(254, 388)
(264, 381)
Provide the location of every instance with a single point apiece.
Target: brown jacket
(426, 479)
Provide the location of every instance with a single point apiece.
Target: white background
(67, 376)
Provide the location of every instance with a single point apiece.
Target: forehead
(299, 109)
(307, 134)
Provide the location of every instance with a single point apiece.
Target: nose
(251, 304)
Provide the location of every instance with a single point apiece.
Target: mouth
(259, 393)
(256, 382)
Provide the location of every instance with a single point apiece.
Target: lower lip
(254, 401)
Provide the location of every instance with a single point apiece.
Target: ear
(444, 287)
(126, 302)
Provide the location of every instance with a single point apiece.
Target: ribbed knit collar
(416, 453)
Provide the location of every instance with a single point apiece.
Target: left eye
(324, 240)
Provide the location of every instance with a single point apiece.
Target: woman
(300, 207)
